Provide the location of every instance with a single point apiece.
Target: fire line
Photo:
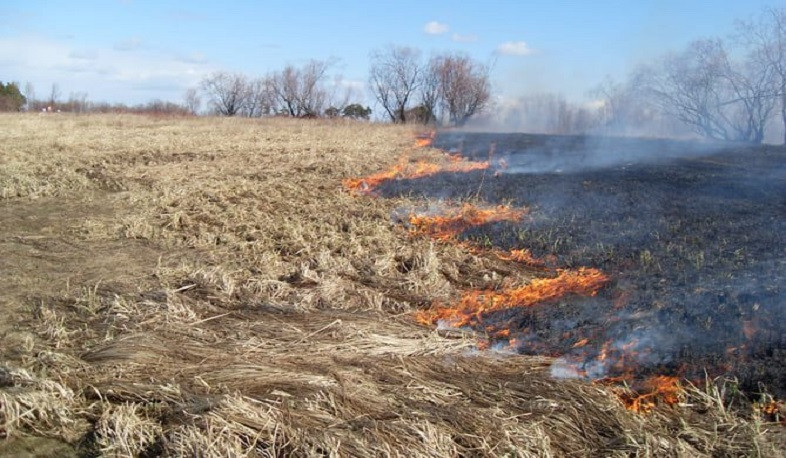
(474, 304)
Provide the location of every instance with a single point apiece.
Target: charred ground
(692, 235)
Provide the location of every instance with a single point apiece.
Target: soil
(45, 256)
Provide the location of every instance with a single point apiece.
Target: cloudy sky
(132, 51)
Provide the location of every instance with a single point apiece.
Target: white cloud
(105, 73)
(193, 58)
(459, 38)
(87, 54)
(128, 45)
(435, 28)
(515, 48)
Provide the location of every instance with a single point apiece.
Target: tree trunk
(783, 109)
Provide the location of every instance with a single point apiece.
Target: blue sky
(134, 50)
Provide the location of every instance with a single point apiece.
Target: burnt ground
(692, 234)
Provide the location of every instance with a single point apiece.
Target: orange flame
(404, 170)
(425, 139)
(661, 389)
(449, 226)
(473, 304)
(523, 256)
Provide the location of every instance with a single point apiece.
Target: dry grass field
(208, 287)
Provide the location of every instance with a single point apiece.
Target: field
(223, 287)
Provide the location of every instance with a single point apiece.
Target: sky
(132, 51)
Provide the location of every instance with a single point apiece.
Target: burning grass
(474, 304)
(208, 287)
(406, 169)
(448, 225)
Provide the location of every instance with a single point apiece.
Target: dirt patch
(45, 255)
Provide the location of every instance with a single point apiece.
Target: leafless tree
(394, 77)
(300, 91)
(261, 99)
(704, 89)
(431, 90)
(312, 95)
(766, 42)
(464, 87)
(77, 102)
(227, 92)
(341, 95)
(192, 100)
(30, 95)
(623, 110)
(54, 96)
(285, 86)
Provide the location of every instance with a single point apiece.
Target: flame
(473, 304)
(581, 343)
(523, 256)
(425, 139)
(453, 223)
(660, 389)
(406, 170)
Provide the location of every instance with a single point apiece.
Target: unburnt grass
(208, 287)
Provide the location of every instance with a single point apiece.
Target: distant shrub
(11, 98)
(356, 111)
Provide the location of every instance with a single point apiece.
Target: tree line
(722, 89)
(731, 89)
(446, 89)
(300, 92)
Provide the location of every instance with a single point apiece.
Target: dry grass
(283, 327)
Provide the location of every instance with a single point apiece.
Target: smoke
(553, 114)
(538, 154)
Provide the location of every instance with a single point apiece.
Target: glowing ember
(771, 409)
(581, 343)
(453, 223)
(474, 304)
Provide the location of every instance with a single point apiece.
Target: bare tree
(341, 95)
(54, 96)
(285, 88)
(766, 41)
(431, 90)
(312, 95)
(394, 77)
(624, 110)
(227, 92)
(260, 98)
(30, 95)
(464, 87)
(300, 91)
(716, 97)
(192, 101)
(77, 102)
